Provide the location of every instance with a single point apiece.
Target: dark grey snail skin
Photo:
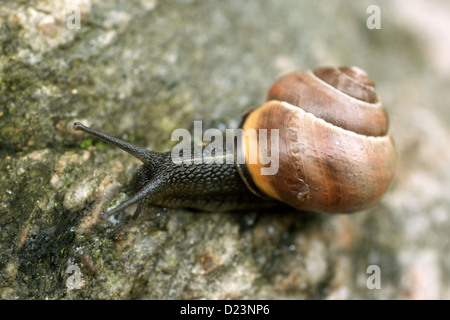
(161, 182)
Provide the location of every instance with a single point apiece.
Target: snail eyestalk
(150, 188)
(146, 156)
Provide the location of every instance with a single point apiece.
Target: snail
(336, 153)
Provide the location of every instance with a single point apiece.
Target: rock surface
(140, 69)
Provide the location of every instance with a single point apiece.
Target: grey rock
(140, 69)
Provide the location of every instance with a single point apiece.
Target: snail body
(336, 153)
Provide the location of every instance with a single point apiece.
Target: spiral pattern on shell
(336, 153)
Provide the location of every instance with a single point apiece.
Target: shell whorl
(344, 97)
(335, 150)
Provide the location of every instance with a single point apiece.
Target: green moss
(96, 253)
(111, 278)
(116, 201)
(91, 142)
(9, 38)
(101, 145)
(87, 143)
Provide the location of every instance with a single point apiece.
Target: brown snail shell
(336, 153)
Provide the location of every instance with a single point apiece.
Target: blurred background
(140, 69)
